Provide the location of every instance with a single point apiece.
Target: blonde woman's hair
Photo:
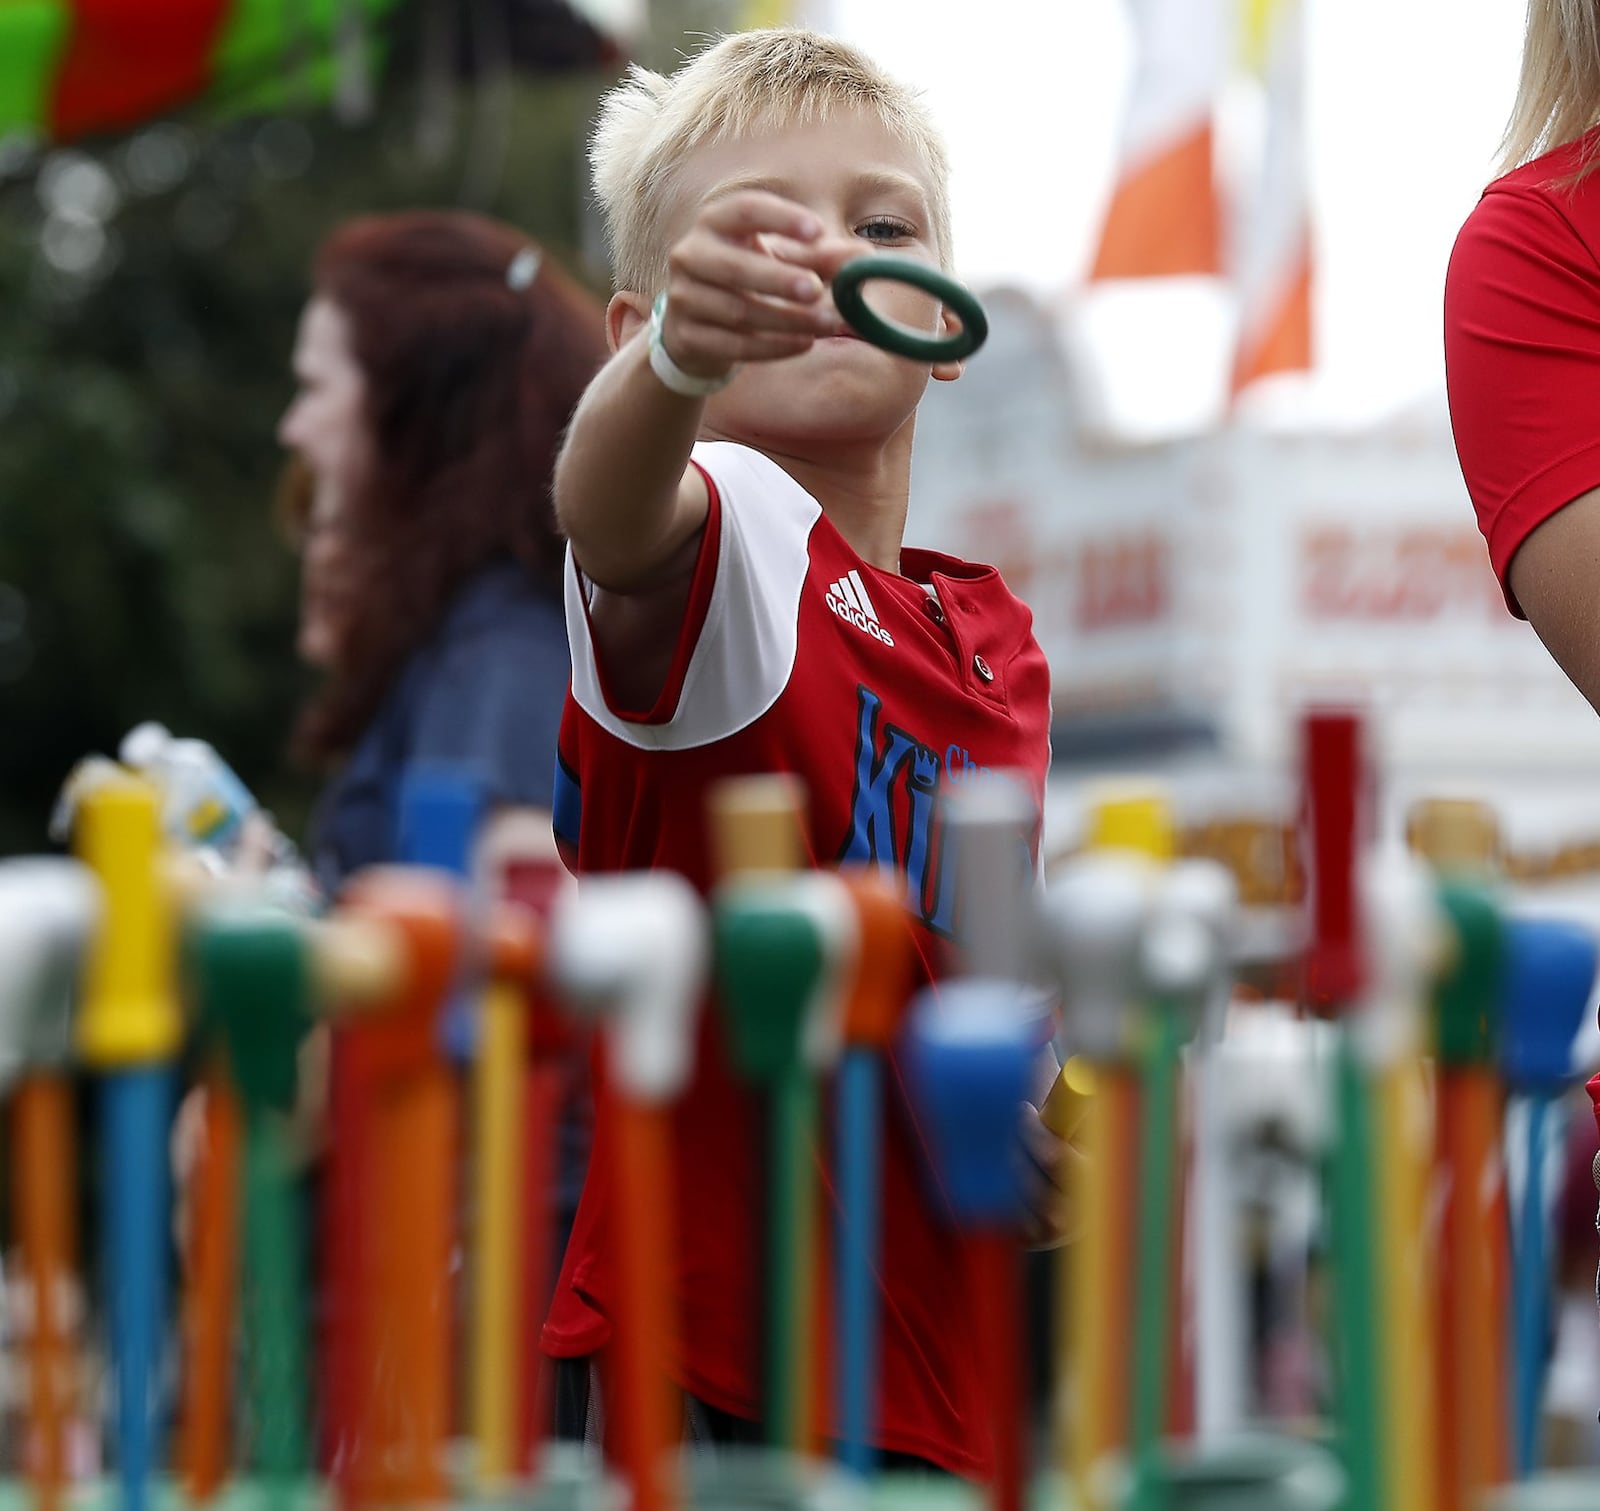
(1558, 93)
(744, 83)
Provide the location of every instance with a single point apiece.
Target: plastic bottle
(202, 801)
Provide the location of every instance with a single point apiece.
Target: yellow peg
(1097, 1100)
(758, 824)
(129, 1028)
(130, 1014)
(1456, 836)
(1131, 816)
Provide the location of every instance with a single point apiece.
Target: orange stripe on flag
(1163, 221)
(1280, 342)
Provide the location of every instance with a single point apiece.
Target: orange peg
(213, 1266)
(882, 986)
(398, 1124)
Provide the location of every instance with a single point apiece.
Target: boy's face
(871, 193)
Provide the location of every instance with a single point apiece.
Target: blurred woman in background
(437, 364)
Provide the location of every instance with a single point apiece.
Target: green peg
(1473, 1274)
(253, 973)
(1468, 997)
(769, 957)
(782, 945)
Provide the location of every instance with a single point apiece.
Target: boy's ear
(947, 372)
(625, 313)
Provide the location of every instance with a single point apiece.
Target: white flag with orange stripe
(1163, 220)
(1272, 264)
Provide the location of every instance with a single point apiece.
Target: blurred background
(1208, 441)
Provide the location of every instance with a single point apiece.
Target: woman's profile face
(325, 424)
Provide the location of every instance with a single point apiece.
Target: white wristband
(671, 375)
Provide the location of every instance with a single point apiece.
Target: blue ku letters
(899, 832)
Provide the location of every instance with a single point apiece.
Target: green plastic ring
(900, 339)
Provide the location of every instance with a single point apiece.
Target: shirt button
(934, 609)
(981, 667)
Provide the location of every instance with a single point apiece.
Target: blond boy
(734, 488)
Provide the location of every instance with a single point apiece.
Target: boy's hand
(744, 285)
(1051, 1168)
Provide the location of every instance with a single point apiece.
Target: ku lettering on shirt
(876, 690)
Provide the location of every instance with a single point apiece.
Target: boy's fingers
(1048, 1152)
(749, 212)
(730, 310)
(706, 261)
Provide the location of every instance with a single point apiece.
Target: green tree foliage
(148, 293)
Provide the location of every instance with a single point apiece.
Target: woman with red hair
(437, 364)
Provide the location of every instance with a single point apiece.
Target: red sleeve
(1522, 363)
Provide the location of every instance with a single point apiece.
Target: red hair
(471, 377)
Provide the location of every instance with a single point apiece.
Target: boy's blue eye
(883, 228)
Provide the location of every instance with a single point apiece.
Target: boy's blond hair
(748, 82)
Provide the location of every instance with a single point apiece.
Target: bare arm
(1555, 576)
(739, 290)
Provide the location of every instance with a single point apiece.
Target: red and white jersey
(795, 655)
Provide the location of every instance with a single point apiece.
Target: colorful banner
(73, 68)
(1163, 220)
(1272, 264)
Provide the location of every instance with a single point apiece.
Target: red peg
(532, 884)
(1337, 821)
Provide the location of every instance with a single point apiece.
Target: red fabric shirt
(1522, 349)
(796, 655)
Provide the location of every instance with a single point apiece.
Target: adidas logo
(848, 599)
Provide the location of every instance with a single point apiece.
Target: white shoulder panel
(746, 650)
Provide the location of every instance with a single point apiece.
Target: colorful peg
(441, 809)
(1473, 1370)
(994, 1015)
(1209, 891)
(1335, 793)
(48, 910)
(1093, 920)
(129, 1030)
(871, 1019)
(1183, 959)
(757, 829)
(210, 1271)
(498, 1300)
(1405, 947)
(253, 976)
(968, 1055)
(1550, 973)
(395, 1130)
(631, 950)
(1336, 822)
(784, 947)
(533, 880)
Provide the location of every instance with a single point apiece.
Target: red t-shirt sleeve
(1522, 364)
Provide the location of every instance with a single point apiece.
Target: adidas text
(848, 599)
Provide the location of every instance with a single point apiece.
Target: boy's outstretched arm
(740, 288)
